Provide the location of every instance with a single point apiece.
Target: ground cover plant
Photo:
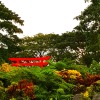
(57, 81)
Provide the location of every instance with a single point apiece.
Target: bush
(60, 65)
(95, 68)
(57, 81)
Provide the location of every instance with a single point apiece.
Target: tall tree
(38, 45)
(54, 45)
(62, 46)
(89, 30)
(8, 30)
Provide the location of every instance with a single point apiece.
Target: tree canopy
(46, 44)
(82, 44)
(89, 32)
(9, 21)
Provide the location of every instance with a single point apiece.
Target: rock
(96, 97)
(78, 97)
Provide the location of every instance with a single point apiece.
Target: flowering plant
(5, 67)
(22, 88)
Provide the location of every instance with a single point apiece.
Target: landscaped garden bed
(57, 81)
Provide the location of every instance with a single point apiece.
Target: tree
(54, 45)
(62, 46)
(89, 29)
(38, 45)
(8, 29)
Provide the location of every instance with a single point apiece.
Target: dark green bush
(95, 67)
(60, 65)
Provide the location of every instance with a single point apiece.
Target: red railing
(39, 61)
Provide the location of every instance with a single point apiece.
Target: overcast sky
(46, 16)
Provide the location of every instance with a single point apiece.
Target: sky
(46, 16)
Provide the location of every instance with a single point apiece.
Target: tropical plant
(47, 83)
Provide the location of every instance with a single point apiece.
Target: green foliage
(52, 64)
(48, 85)
(52, 86)
(60, 65)
(3, 95)
(38, 45)
(95, 68)
(46, 44)
(97, 86)
(81, 68)
(70, 64)
(87, 33)
(68, 61)
(8, 25)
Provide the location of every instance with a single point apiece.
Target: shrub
(5, 67)
(95, 68)
(69, 75)
(88, 80)
(23, 89)
(57, 81)
(60, 65)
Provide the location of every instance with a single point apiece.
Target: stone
(78, 97)
(96, 97)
